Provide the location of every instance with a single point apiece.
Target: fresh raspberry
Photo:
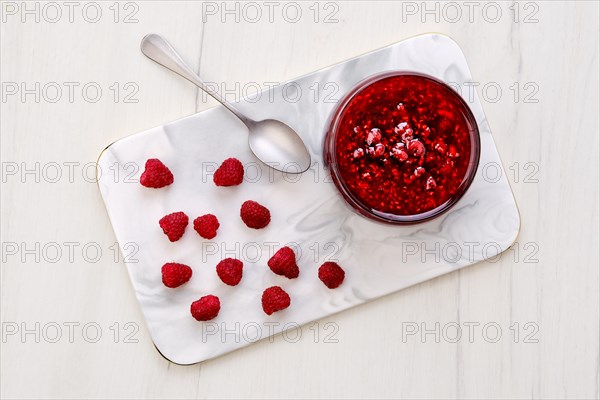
(331, 274)
(255, 215)
(174, 274)
(230, 173)
(284, 263)
(230, 271)
(206, 308)
(173, 225)
(206, 226)
(275, 299)
(156, 174)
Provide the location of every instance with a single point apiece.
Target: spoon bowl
(276, 142)
(273, 142)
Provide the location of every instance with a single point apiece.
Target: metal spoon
(272, 141)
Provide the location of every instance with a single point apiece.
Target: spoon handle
(156, 48)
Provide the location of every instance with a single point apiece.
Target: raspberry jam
(402, 147)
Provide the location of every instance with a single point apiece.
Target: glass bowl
(402, 147)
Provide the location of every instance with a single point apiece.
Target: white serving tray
(307, 211)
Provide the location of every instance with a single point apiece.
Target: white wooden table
(71, 326)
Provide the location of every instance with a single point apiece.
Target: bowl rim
(357, 205)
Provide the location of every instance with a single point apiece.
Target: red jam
(402, 147)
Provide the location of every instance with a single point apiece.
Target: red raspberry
(419, 171)
(331, 274)
(440, 146)
(174, 274)
(275, 299)
(156, 174)
(206, 226)
(430, 184)
(416, 148)
(206, 308)
(374, 136)
(377, 151)
(230, 173)
(399, 152)
(284, 263)
(405, 131)
(255, 215)
(173, 225)
(230, 271)
(358, 153)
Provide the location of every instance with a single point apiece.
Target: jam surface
(402, 145)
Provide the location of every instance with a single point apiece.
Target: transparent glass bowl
(351, 196)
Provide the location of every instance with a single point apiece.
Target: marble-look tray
(307, 211)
